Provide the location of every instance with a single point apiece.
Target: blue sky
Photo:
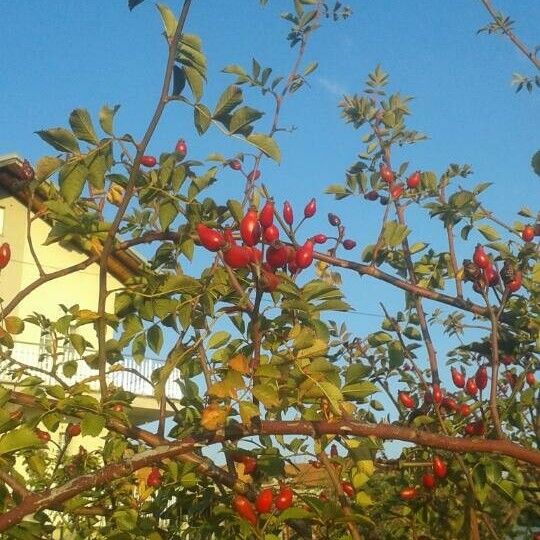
(57, 56)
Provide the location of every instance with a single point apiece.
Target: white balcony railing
(34, 356)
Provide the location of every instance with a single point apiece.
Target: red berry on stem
(310, 208)
(515, 284)
(288, 215)
(244, 509)
(237, 256)
(334, 220)
(268, 281)
(437, 394)
(118, 408)
(408, 493)
(396, 191)
(277, 255)
(347, 488)
(439, 467)
(449, 404)
(406, 400)
(154, 477)
(181, 148)
(491, 275)
(266, 215)
(470, 387)
(480, 258)
(210, 239)
(250, 464)
(414, 180)
(284, 499)
(528, 233)
(72, 430)
(43, 436)
(255, 255)
(250, 228)
(481, 377)
(148, 161)
(371, 195)
(507, 359)
(320, 238)
(254, 175)
(428, 481)
(349, 244)
(304, 254)
(530, 378)
(270, 234)
(458, 378)
(464, 410)
(235, 164)
(386, 173)
(264, 501)
(5, 255)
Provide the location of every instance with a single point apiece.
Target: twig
(17, 488)
(111, 235)
(513, 38)
(323, 458)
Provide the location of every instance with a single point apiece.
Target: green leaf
(229, 99)
(488, 232)
(71, 179)
(266, 144)
(46, 166)
(236, 210)
(202, 118)
(195, 81)
(266, 394)
(378, 338)
(294, 513)
(168, 19)
(69, 368)
(92, 424)
(395, 354)
(359, 390)
(310, 68)
(82, 126)
(106, 116)
(17, 439)
(167, 213)
(243, 117)
(61, 139)
(126, 520)
(13, 325)
(218, 339)
(154, 338)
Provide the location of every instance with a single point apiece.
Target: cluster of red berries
(448, 403)
(258, 227)
(429, 479)
(483, 273)
(266, 499)
(395, 189)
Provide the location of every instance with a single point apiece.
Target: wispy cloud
(332, 87)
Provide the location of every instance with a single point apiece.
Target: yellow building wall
(77, 288)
